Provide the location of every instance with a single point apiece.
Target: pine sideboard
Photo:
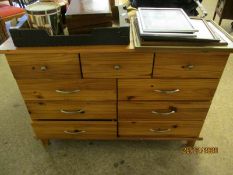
(117, 92)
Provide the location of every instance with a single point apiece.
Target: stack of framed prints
(168, 26)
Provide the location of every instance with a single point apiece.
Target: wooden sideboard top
(8, 47)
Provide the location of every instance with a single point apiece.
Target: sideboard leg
(220, 21)
(45, 142)
(214, 15)
(190, 143)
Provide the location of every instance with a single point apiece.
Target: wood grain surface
(39, 66)
(162, 111)
(83, 90)
(147, 89)
(189, 65)
(66, 110)
(102, 65)
(160, 129)
(75, 130)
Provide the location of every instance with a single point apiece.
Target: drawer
(117, 65)
(160, 129)
(167, 89)
(75, 130)
(79, 90)
(189, 65)
(72, 110)
(33, 66)
(162, 111)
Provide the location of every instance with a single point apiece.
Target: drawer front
(162, 111)
(72, 110)
(160, 129)
(189, 65)
(33, 66)
(75, 130)
(79, 90)
(120, 65)
(167, 89)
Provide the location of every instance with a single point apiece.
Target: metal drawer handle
(159, 130)
(117, 67)
(164, 113)
(79, 111)
(167, 91)
(43, 68)
(67, 92)
(74, 132)
(188, 66)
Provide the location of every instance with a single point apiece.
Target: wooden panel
(3, 32)
(189, 65)
(35, 66)
(84, 7)
(162, 111)
(75, 130)
(71, 110)
(118, 65)
(80, 90)
(160, 129)
(148, 89)
(84, 15)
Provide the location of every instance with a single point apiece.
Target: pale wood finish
(143, 110)
(90, 90)
(88, 110)
(103, 65)
(44, 66)
(132, 99)
(174, 129)
(189, 65)
(159, 138)
(190, 143)
(75, 130)
(189, 89)
(45, 142)
(8, 47)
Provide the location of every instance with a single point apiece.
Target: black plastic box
(119, 35)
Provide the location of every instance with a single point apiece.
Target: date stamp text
(200, 150)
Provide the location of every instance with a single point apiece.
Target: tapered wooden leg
(45, 142)
(220, 21)
(190, 143)
(214, 15)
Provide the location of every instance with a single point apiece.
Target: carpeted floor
(21, 154)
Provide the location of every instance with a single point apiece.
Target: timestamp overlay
(200, 150)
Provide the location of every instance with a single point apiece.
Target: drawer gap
(74, 120)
